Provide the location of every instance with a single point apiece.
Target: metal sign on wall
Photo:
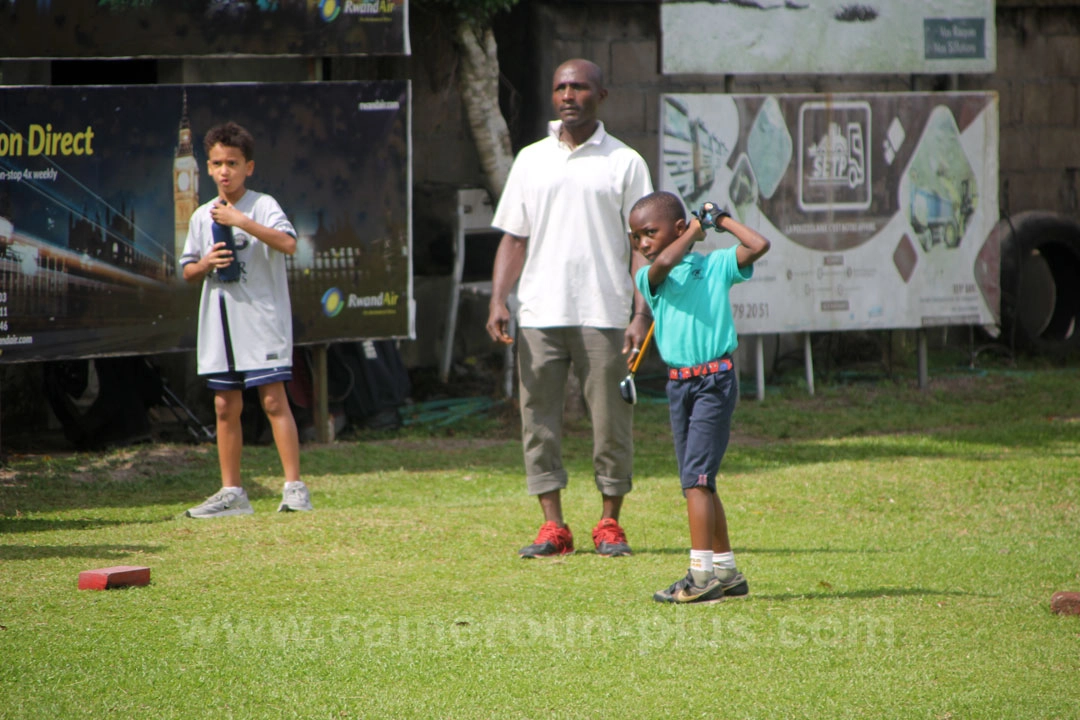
(178, 28)
(97, 185)
(879, 206)
(828, 36)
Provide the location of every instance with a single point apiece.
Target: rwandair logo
(332, 301)
(328, 11)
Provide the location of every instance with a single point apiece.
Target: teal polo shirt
(692, 309)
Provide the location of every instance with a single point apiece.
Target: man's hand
(498, 322)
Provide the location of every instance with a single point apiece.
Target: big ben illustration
(185, 182)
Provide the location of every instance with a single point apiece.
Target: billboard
(828, 36)
(97, 185)
(178, 28)
(879, 206)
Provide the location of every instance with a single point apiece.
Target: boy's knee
(275, 403)
(227, 406)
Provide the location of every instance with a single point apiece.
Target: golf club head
(627, 388)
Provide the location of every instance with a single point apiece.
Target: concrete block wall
(1038, 81)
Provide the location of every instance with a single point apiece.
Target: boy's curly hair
(231, 134)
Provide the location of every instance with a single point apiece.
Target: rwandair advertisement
(98, 184)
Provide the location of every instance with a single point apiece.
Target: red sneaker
(551, 540)
(610, 540)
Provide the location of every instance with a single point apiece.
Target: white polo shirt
(574, 208)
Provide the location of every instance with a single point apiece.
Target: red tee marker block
(114, 577)
(1065, 603)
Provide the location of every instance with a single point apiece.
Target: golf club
(627, 388)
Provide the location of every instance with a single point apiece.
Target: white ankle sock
(701, 560)
(701, 566)
(292, 484)
(724, 561)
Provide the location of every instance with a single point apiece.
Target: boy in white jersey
(245, 324)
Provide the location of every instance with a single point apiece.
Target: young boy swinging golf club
(695, 335)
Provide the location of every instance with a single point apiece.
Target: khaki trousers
(545, 356)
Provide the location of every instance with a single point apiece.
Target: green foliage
(901, 548)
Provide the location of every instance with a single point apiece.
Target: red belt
(710, 368)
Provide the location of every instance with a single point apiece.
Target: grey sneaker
(296, 499)
(225, 502)
(685, 591)
(733, 582)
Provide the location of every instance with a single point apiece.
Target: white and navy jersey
(243, 325)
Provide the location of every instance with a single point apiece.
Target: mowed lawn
(901, 546)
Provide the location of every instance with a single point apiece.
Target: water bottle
(224, 234)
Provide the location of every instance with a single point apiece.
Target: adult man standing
(566, 243)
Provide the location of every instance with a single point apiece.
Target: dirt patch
(136, 463)
(129, 464)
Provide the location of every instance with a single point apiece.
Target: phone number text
(750, 311)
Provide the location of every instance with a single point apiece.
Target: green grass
(901, 546)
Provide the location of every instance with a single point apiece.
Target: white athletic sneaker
(226, 501)
(295, 499)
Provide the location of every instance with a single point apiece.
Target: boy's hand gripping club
(626, 387)
(710, 216)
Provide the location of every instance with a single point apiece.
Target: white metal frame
(474, 214)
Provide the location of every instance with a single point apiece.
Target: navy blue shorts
(701, 409)
(241, 380)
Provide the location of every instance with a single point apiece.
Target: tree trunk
(479, 85)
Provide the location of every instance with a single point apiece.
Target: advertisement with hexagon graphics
(880, 207)
(98, 186)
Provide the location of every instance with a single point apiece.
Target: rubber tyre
(1040, 283)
